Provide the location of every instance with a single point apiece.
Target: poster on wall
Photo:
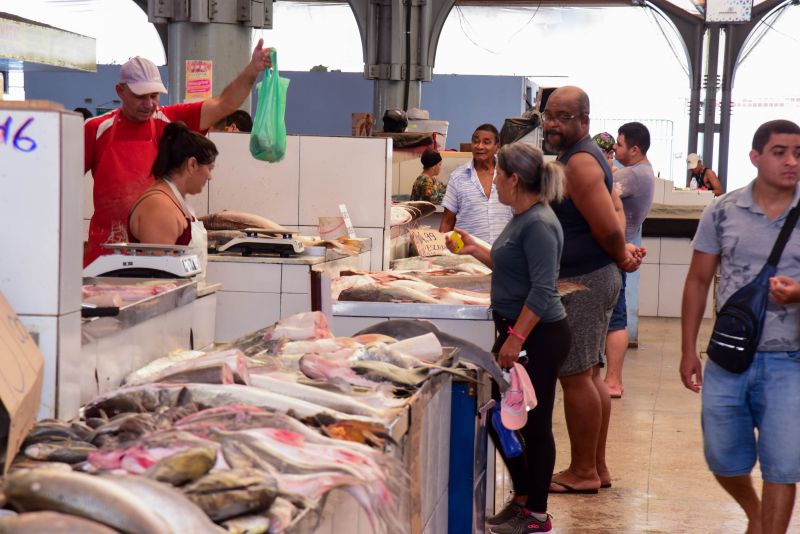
(198, 80)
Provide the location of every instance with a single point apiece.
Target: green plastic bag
(268, 137)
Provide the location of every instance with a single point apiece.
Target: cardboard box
(21, 373)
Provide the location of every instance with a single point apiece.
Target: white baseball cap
(691, 161)
(141, 76)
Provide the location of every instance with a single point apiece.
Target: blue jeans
(766, 397)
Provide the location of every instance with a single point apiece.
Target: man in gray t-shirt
(752, 416)
(636, 184)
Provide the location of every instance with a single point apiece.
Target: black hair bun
(174, 129)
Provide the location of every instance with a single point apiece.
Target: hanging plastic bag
(268, 137)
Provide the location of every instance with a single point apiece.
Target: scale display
(263, 241)
(145, 261)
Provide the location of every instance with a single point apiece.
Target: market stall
(255, 432)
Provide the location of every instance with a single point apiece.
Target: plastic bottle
(693, 183)
(508, 438)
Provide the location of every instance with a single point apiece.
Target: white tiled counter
(259, 290)
(663, 273)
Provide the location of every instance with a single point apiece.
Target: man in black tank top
(594, 247)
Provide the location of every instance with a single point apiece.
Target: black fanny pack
(737, 329)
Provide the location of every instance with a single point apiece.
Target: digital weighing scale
(140, 260)
(264, 241)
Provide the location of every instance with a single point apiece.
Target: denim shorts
(766, 397)
(619, 315)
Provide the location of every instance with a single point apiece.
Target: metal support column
(710, 101)
(216, 30)
(399, 39)
(228, 46)
(691, 28)
(736, 36)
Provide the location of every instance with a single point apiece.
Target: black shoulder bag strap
(783, 237)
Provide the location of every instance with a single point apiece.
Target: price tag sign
(198, 80)
(347, 222)
(428, 242)
(21, 372)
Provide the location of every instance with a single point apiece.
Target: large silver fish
(186, 363)
(336, 401)
(83, 495)
(180, 513)
(237, 220)
(148, 397)
(467, 351)
(50, 523)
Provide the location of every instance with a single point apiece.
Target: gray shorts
(588, 314)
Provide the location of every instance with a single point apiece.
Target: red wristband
(516, 335)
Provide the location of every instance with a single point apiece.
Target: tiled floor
(661, 482)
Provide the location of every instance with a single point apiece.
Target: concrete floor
(661, 483)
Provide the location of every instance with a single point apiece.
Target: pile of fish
(249, 438)
(410, 211)
(226, 225)
(447, 279)
(394, 286)
(121, 294)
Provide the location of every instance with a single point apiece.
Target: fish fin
(184, 397)
(457, 372)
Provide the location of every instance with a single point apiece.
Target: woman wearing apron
(182, 167)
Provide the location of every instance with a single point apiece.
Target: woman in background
(528, 315)
(427, 187)
(182, 167)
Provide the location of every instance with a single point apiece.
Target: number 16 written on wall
(16, 136)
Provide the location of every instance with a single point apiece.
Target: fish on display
(467, 351)
(301, 326)
(183, 366)
(226, 494)
(52, 430)
(391, 286)
(183, 466)
(236, 220)
(83, 495)
(336, 401)
(248, 524)
(290, 453)
(177, 511)
(147, 451)
(70, 452)
(317, 366)
(281, 514)
(50, 523)
(375, 292)
(149, 396)
(217, 238)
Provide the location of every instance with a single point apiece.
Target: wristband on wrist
(516, 335)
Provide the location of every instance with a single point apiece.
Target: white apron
(199, 242)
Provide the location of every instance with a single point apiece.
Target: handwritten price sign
(13, 134)
(428, 242)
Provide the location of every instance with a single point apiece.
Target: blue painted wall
(321, 103)
(73, 88)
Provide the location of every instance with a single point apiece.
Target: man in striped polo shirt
(471, 198)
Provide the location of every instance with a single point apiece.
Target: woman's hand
(509, 352)
(469, 242)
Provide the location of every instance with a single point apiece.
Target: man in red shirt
(121, 145)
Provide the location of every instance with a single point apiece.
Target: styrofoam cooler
(430, 125)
